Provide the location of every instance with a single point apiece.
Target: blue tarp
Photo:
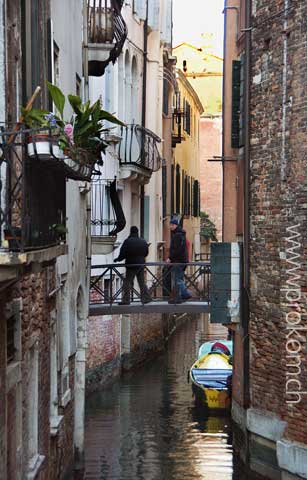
(211, 378)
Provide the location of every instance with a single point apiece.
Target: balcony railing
(107, 217)
(107, 282)
(107, 33)
(139, 147)
(32, 196)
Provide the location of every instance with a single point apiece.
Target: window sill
(34, 466)
(55, 422)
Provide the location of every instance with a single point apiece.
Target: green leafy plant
(207, 227)
(82, 137)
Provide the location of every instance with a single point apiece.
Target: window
(10, 339)
(186, 117)
(33, 405)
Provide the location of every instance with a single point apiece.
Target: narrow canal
(146, 426)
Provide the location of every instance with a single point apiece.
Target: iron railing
(139, 147)
(32, 195)
(202, 257)
(106, 26)
(107, 282)
(107, 216)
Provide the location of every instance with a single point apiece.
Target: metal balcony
(32, 196)
(138, 153)
(107, 216)
(107, 33)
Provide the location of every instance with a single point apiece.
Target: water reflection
(146, 426)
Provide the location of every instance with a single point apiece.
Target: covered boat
(211, 375)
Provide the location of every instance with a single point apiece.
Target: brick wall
(116, 342)
(278, 201)
(35, 327)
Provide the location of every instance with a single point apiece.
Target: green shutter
(235, 120)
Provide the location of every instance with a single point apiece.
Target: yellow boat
(211, 379)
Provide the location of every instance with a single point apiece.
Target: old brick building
(43, 304)
(270, 398)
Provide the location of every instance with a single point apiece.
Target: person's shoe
(175, 301)
(148, 300)
(124, 303)
(185, 298)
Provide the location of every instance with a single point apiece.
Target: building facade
(185, 169)
(204, 70)
(268, 142)
(43, 279)
(132, 89)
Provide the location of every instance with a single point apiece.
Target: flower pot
(77, 170)
(44, 146)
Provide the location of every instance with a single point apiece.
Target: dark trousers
(131, 273)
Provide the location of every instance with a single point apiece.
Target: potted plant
(79, 141)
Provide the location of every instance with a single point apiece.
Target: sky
(193, 17)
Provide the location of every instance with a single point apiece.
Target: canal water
(146, 426)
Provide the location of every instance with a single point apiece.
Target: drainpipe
(80, 360)
(246, 246)
(223, 123)
(144, 110)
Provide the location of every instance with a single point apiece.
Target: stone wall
(278, 186)
(120, 342)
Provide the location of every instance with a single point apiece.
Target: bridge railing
(107, 282)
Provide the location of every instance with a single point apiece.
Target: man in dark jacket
(134, 250)
(178, 254)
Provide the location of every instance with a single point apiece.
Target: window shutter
(178, 189)
(164, 188)
(153, 14)
(235, 120)
(196, 193)
(140, 9)
(172, 189)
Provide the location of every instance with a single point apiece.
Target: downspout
(246, 246)
(144, 111)
(80, 359)
(223, 121)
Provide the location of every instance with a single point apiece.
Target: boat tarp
(211, 378)
(206, 347)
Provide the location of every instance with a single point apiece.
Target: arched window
(127, 88)
(134, 92)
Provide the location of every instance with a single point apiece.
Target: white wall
(67, 32)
